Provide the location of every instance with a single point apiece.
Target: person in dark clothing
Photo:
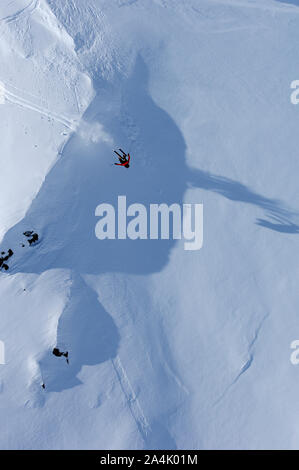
(124, 159)
(28, 233)
(59, 353)
(33, 235)
(9, 255)
(33, 239)
(5, 258)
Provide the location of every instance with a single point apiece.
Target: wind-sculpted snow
(26, 10)
(165, 348)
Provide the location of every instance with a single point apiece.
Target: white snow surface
(169, 349)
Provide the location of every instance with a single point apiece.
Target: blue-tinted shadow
(64, 210)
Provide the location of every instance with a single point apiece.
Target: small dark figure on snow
(58, 353)
(5, 258)
(9, 255)
(33, 239)
(124, 159)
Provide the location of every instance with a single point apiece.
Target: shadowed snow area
(88, 333)
(63, 211)
(167, 349)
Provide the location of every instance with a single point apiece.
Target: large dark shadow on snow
(275, 210)
(64, 210)
(86, 331)
(84, 176)
(63, 213)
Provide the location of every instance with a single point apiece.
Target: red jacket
(125, 163)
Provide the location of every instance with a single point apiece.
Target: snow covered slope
(167, 348)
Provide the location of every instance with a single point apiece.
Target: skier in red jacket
(124, 159)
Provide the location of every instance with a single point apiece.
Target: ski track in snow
(132, 400)
(22, 102)
(247, 364)
(27, 10)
